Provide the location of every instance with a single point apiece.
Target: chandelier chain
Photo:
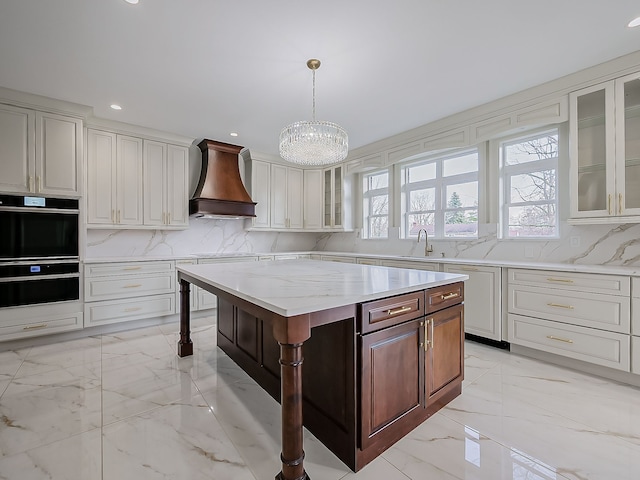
(314, 95)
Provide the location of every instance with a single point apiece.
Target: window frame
(507, 172)
(368, 194)
(439, 184)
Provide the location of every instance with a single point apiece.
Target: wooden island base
(370, 375)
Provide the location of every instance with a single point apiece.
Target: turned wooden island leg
(292, 455)
(185, 345)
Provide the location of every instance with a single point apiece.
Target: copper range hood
(220, 192)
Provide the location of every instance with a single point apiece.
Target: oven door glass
(38, 234)
(31, 292)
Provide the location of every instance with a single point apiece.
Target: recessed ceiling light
(634, 23)
(132, 2)
(116, 107)
(233, 134)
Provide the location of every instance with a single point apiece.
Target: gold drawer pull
(135, 285)
(132, 268)
(562, 280)
(132, 309)
(565, 340)
(559, 305)
(35, 327)
(398, 311)
(449, 296)
(469, 269)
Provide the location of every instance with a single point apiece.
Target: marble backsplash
(584, 244)
(210, 236)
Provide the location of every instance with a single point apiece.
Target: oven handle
(39, 277)
(70, 211)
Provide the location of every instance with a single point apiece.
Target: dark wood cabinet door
(392, 377)
(248, 334)
(444, 347)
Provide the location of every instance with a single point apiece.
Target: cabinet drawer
(114, 311)
(607, 312)
(583, 282)
(443, 297)
(127, 268)
(390, 311)
(587, 344)
(431, 267)
(106, 288)
(330, 258)
(42, 326)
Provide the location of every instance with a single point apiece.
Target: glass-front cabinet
(605, 152)
(333, 198)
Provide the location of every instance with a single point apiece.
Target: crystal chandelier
(314, 142)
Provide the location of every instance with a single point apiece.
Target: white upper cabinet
(605, 152)
(312, 190)
(165, 168)
(286, 197)
(39, 152)
(136, 183)
(114, 179)
(336, 216)
(259, 182)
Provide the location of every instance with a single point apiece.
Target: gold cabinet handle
(561, 280)
(620, 204)
(132, 268)
(610, 212)
(113, 216)
(469, 269)
(565, 340)
(398, 311)
(35, 327)
(118, 216)
(135, 285)
(30, 183)
(559, 305)
(132, 309)
(449, 296)
(428, 334)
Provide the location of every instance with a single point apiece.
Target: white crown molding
(39, 102)
(138, 131)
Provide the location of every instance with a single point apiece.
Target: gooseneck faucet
(427, 248)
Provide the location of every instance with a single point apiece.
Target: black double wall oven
(39, 258)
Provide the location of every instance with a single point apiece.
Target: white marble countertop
(565, 267)
(296, 287)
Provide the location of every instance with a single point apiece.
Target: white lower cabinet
(482, 299)
(125, 291)
(582, 316)
(31, 321)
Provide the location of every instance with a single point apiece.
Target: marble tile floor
(125, 407)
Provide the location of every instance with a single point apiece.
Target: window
(529, 171)
(440, 194)
(375, 208)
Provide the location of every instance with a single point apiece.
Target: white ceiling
(205, 68)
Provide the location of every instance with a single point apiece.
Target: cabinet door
(278, 196)
(294, 198)
(260, 193)
(444, 354)
(328, 198)
(177, 198)
(392, 379)
(337, 197)
(592, 151)
(129, 181)
(58, 149)
(17, 153)
(483, 312)
(628, 145)
(101, 175)
(155, 172)
(312, 199)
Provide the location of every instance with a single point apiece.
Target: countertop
(296, 287)
(564, 267)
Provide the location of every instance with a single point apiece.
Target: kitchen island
(383, 347)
